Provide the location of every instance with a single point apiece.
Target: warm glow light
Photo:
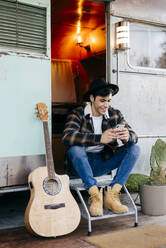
(79, 10)
(79, 39)
(78, 27)
(92, 40)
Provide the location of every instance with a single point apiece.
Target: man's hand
(108, 136)
(123, 135)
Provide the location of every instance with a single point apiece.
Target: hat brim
(113, 87)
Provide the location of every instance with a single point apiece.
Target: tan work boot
(112, 201)
(95, 201)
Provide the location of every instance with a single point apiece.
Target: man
(93, 137)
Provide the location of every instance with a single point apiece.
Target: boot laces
(94, 198)
(115, 196)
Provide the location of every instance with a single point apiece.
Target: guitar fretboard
(49, 157)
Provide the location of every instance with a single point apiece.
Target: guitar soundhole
(52, 186)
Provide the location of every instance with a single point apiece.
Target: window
(22, 26)
(147, 46)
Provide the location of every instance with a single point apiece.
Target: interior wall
(65, 45)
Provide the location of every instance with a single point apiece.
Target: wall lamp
(80, 43)
(87, 47)
(122, 35)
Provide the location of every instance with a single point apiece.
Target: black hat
(98, 84)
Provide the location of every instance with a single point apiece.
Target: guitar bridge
(54, 206)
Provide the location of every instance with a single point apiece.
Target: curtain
(63, 87)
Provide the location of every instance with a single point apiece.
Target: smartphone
(120, 126)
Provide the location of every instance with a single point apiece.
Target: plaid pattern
(79, 128)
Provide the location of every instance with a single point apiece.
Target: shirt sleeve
(73, 136)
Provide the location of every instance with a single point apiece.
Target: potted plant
(153, 193)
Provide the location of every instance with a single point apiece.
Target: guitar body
(52, 211)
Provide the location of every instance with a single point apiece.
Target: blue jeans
(90, 165)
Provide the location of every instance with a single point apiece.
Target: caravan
(51, 50)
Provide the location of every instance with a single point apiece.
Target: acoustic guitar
(52, 210)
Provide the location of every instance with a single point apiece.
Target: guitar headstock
(42, 111)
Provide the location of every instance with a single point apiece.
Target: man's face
(100, 104)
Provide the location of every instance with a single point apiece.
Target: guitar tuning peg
(36, 113)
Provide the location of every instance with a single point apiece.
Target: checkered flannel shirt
(79, 128)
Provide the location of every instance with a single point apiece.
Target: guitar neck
(49, 157)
